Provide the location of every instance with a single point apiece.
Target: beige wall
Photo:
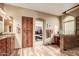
(17, 13)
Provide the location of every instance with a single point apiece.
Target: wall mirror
(8, 24)
(1, 24)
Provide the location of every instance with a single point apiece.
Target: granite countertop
(4, 36)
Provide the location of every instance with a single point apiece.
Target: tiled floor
(52, 50)
(38, 51)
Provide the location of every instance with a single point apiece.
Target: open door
(39, 32)
(27, 32)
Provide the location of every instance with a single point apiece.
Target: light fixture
(7, 17)
(10, 22)
(2, 12)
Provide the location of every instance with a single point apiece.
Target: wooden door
(27, 32)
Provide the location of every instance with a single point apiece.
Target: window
(69, 25)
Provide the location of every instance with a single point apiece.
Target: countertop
(5, 36)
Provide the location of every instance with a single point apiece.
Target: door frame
(32, 30)
(43, 32)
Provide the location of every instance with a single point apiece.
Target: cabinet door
(12, 44)
(3, 46)
(77, 26)
(8, 45)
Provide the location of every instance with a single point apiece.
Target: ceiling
(49, 8)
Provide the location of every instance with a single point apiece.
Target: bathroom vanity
(7, 38)
(7, 44)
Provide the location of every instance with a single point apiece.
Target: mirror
(1, 25)
(8, 24)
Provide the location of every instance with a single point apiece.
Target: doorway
(38, 32)
(27, 32)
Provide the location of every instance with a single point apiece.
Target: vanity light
(2, 12)
(7, 18)
(10, 22)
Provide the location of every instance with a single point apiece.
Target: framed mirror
(8, 24)
(1, 25)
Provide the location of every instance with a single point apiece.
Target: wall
(69, 41)
(52, 24)
(17, 13)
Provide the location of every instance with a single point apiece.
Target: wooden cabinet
(57, 40)
(3, 47)
(77, 26)
(7, 46)
(12, 44)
